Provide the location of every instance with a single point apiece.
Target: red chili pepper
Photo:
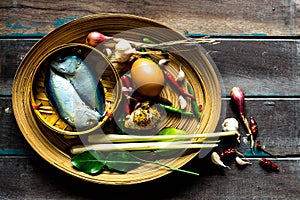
(35, 107)
(178, 87)
(268, 165)
(108, 114)
(125, 68)
(126, 83)
(253, 127)
(200, 107)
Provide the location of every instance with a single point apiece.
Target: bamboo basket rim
(33, 133)
(111, 109)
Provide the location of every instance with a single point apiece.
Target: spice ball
(147, 77)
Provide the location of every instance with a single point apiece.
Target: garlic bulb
(123, 51)
(231, 124)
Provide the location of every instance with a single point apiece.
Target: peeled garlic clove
(182, 102)
(215, 158)
(163, 62)
(242, 162)
(180, 75)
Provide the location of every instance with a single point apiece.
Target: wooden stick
(139, 146)
(136, 138)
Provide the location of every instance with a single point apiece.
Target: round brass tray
(54, 147)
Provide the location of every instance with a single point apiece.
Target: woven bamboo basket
(46, 138)
(109, 78)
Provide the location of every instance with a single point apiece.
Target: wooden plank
(230, 17)
(12, 52)
(278, 122)
(260, 67)
(33, 178)
(12, 140)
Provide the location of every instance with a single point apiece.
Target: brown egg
(147, 77)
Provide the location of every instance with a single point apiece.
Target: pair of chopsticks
(110, 142)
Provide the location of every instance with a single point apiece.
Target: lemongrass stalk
(139, 146)
(96, 139)
(138, 138)
(188, 41)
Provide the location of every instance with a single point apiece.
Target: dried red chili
(178, 87)
(268, 165)
(228, 154)
(253, 127)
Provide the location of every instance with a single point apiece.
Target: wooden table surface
(259, 51)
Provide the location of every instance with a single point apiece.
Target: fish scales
(88, 87)
(69, 104)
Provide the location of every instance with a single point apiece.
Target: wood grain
(266, 69)
(277, 120)
(271, 66)
(218, 17)
(30, 177)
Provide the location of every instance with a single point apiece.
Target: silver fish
(69, 104)
(83, 80)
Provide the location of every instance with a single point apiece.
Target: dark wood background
(259, 51)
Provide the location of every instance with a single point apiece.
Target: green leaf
(122, 161)
(90, 162)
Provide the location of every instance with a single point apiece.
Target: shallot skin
(237, 95)
(95, 38)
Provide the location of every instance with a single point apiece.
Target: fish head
(67, 65)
